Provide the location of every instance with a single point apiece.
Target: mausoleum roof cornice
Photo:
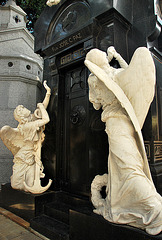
(15, 30)
(11, 5)
(17, 10)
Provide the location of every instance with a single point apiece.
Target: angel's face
(21, 113)
(24, 112)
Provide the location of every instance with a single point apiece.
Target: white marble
(25, 143)
(125, 95)
(50, 3)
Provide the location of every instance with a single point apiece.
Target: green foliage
(35, 6)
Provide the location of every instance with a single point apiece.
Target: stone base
(21, 203)
(156, 171)
(95, 227)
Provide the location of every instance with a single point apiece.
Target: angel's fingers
(46, 86)
(45, 83)
(111, 49)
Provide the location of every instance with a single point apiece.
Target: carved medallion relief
(69, 19)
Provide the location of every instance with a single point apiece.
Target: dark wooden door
(75, 130)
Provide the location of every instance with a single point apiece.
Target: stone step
(50, 227)
(60, 211)
(95, 227)
(72, 200)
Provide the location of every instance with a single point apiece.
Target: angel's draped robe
(131, 196)
(24, 160)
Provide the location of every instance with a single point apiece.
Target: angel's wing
(12, 138)
(138, 82)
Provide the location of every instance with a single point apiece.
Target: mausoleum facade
(76, 147)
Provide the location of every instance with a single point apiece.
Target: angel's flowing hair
(19, 116)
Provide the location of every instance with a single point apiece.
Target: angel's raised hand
(111, 53)
(46, 87)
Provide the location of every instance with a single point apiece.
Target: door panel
(75, 128)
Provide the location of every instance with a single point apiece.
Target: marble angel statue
(25, 144)
(125, 95)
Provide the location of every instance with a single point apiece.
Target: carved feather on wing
(12, 138)
(138, 82)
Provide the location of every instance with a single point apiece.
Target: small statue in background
(25, 143)
(50, 3)
(125, 95)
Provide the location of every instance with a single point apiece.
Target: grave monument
(72, 153)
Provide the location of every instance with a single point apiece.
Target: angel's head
(98, 57)
(21, 114)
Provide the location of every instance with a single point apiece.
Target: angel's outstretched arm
(48, 93)
(121, 61)
(113, 53)
(45, 118)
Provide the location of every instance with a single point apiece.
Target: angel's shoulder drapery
(29, 131)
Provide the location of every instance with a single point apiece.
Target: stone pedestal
(18, 202)
(93, 226)
(22, 203)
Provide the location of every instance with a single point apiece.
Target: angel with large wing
(25, 144)
(125, 95)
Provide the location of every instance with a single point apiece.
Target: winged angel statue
(25, 144)
(125, 95)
